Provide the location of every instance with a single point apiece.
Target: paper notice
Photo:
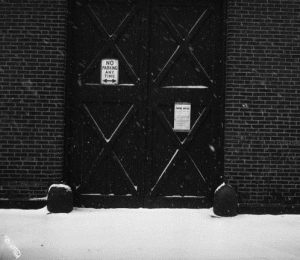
(182, 117)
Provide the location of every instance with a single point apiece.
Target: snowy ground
(150, 234)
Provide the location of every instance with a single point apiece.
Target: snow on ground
(150, 234)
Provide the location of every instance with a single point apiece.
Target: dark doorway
(145, 102)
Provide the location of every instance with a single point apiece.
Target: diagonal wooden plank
(175, 55)
(197, 24)
(196, 167)
(166, 19)
(125, 173)
(90, 116)
(104, 151)
(164, 121)
(125, 61)
(190, 53)
(196, 125)
(100, 156)
(163, 174)
(121, 124)
(97, 21)
(123, 24)
(95, 60)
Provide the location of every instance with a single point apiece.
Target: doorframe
(67, 175)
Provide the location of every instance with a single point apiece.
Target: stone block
(225, 201)
(60, 199)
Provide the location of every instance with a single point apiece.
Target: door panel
(108, 123)
(182, 163)
(121, 147)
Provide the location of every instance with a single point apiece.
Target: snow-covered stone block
(8, 250)
(60, 199)
(225, 201)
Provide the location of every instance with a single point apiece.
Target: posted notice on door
(182, 117)
(109, 72)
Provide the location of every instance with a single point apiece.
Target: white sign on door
(182, 117)
(109, 72)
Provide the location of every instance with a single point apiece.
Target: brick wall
(32, 75)
(262, 114)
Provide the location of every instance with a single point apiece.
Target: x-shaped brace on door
(107, 149)
(183, 46)
(111, 40)
(181, 145)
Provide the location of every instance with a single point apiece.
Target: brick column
(32, 83)
(262, 118)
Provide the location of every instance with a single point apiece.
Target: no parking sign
(109, 72)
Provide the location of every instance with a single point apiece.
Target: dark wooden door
(126, 146)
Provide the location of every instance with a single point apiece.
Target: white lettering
(109, 72)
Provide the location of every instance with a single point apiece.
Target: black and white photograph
(150, 129)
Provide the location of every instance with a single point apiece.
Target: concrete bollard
(225, 201)
(60, 199)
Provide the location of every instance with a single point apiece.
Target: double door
(144, 102)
